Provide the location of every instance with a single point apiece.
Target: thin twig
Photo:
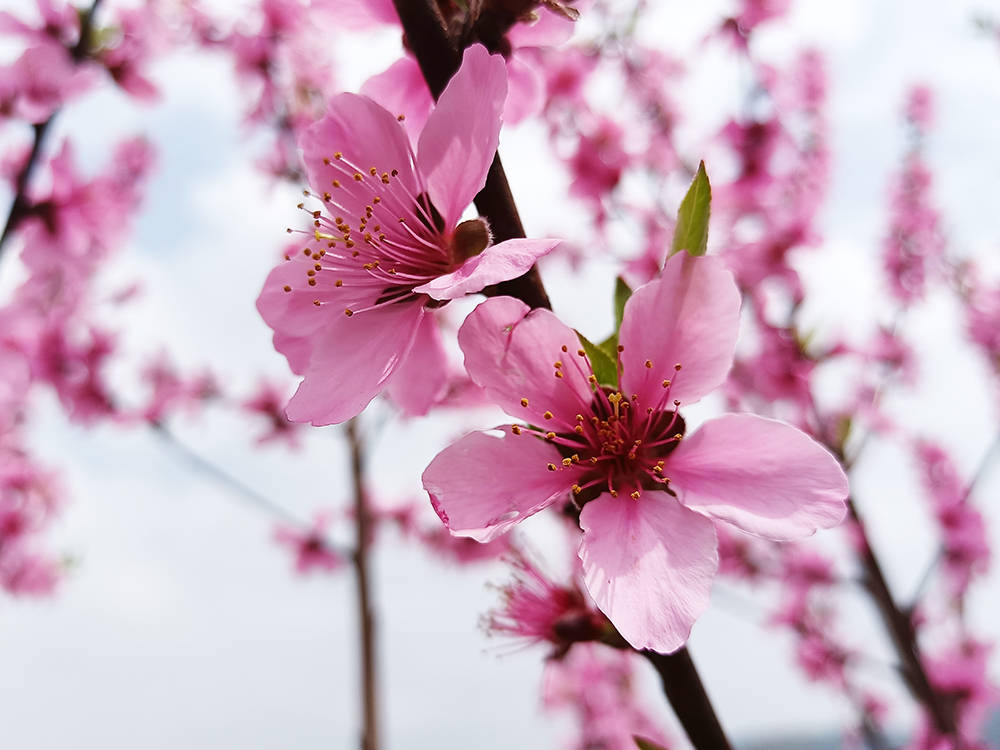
(366, 618)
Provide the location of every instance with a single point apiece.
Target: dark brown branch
(366, 618)
(690, 702)
(903, 635)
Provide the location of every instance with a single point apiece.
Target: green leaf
(644, 744)
(622, 293)
(605, 367)
(691, 232)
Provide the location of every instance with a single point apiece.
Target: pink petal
(462, 133)
(549, 30)
(764, 476)
(420, 379)
(351, 360)
(402, 90)
(483, 484)
(649, 565)
(527, 89)
(358, 15)
(511, 351)
(689, 316)
(292, 315)
(368, 136)
(497, 263)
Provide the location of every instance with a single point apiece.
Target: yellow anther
(515, 429)
(635, 495)
(372, 171)
(557, 364)
(567, 462)
(558, 374)
(552, 467)
(665, 383)
(287, 288)
(338, 155)
(336, 183)
(312, 282)
(649, 364)
(577, 489)
(524, 402)
(358, 177)
(317, 302)
(677, 366)
(348, 312)
(547, 415)
(338, 282)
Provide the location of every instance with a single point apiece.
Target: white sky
(182, 624)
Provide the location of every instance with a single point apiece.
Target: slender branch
(20, 206)
(687, 696)
(239, 489)
(362, 525)
(902, 634)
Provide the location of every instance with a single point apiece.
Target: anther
(635, 495)
(677, 367)
(567, 462)
(515, 429)
(336, 183)
(547, 415)
(312, 282)
(348, 312)
(524, 402)
(552, 467)
(287, 288)
(665, 383)
(649, 364)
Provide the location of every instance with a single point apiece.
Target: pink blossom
(269, 402)
(598, 685)
(352, 311)
(599, 161)
(401, 87)
(983, 321)
(964, 539)
(312, 550)
(541, 610)
(39, 82)
(650, 495)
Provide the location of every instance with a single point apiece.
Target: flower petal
(761, 475)
(462, 133)
(512, 352)
(649, 564)
(483, 484)
(402, 90)
(351, 360)
(497, 263)
(421, 377)
(292, 315)
(689, 316)
(368, 136)
(527, 89)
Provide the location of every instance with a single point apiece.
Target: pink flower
(649, 495)
(312, 551)
(268, 402)
(351, 312)
(598, 684)
(541, 610)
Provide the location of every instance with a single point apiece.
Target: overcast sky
(181, 624)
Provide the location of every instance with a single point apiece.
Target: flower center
(376, 237)
(616, 443)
